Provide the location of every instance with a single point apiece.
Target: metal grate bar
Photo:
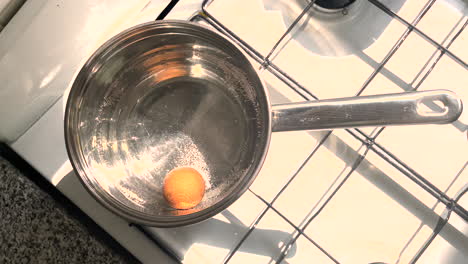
(395, 47)
(316, 148)
(362, 137)
(205, 15)
(431, 59)
(355, 165)
(236, 248)
(441, 54)
(402, 167)
(206, 3)
(410, 173)
(246, 235)
(458, 209)
(440, 225)
(300, 231)
(422, 34)
(214, 22)
(301, 90)
(271, 67)
(290, 28)
(418, 179)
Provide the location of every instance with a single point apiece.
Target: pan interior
(161, 97)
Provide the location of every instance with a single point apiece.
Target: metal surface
(376, 110)
(171, 94)
(8, 10)
(159, 96)
(369, 141)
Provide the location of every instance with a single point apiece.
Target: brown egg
(184, 188)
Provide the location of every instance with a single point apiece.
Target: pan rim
(77, 160)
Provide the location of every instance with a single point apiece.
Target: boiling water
(184, 121)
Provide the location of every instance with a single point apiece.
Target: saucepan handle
(427, 107)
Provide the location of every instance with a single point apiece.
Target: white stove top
(331, 197)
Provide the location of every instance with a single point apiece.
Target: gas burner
(336, 28)
(332, 5)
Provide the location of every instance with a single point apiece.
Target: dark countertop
(37, 229)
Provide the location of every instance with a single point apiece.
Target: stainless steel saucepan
(168, 94)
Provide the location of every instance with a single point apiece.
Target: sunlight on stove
(335, 33)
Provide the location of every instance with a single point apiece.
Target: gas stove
(371, 195)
